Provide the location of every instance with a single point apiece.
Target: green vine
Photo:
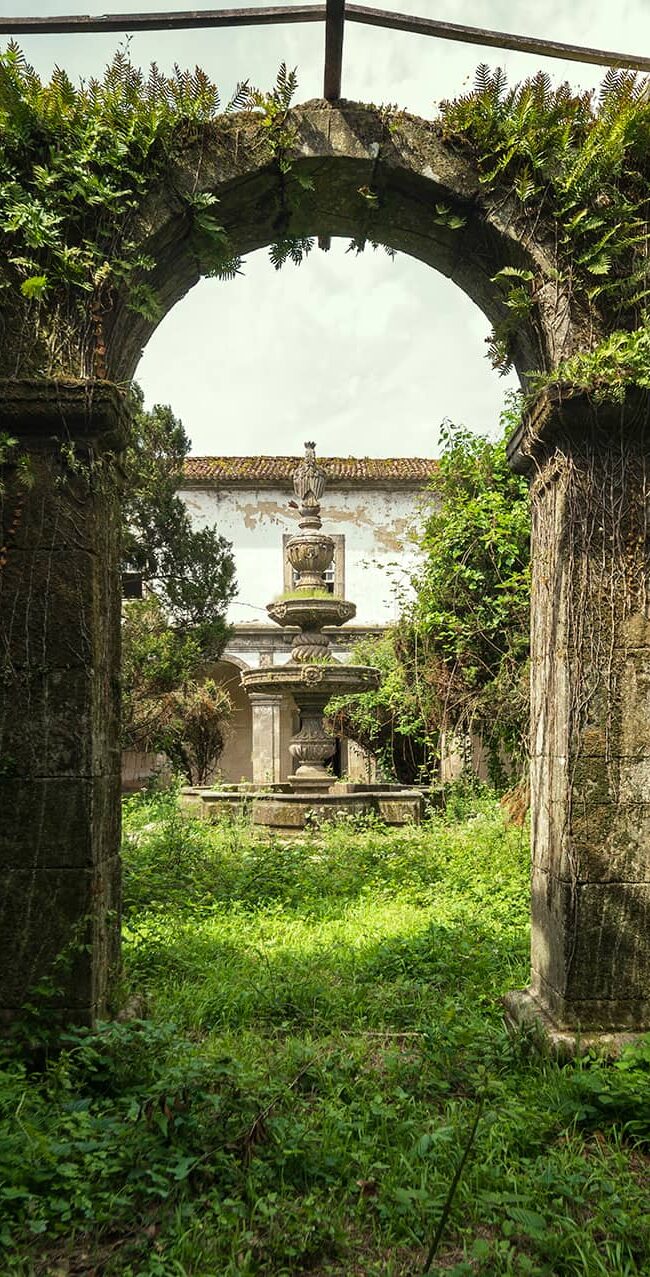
(576, 172)
(77, 162)
(619, 362)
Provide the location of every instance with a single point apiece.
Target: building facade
(370, 508)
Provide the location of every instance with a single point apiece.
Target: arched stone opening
(234, 765)
(351, 170)
(396, 181)
(419, 185)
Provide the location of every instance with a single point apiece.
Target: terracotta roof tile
(240, 470)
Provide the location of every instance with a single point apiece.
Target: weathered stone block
(59, 510)
(548, 831)
(635, 705)
(58, 823)
(549, 778)
(590, 952)
(293, 811)
(60, 723)
(52, 603)
(402, 809)
(609, 842)
(593, 780)
(633, 632)
(598, 842)
(616, 707)
(64, 931)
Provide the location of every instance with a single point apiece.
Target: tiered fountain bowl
(313, 677)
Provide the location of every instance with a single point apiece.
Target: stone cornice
(39, 411)
(563, 412)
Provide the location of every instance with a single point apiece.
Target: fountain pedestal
(312, 747)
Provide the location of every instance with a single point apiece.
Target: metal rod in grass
(449, 1200)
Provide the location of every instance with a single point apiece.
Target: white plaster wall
(376, 523)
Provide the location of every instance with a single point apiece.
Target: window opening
(131, 585)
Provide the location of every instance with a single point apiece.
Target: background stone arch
(235, 761)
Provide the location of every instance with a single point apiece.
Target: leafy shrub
(456, 663)
(616, 1096)
(117, 1123)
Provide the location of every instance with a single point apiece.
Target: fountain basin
(288, 813)
(311, 686)
(311, 613)
(322, 680)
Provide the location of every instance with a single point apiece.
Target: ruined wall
(590, 710)
(376, 523)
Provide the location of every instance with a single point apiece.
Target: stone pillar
(590, 711)
(59, 696)
(358, 764)
(267, 715)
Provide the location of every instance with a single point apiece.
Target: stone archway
(234, 764)
(349, 170)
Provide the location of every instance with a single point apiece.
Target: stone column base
(523, 1010)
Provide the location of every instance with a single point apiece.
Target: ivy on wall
(76, 163)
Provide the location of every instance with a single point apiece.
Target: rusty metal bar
(335, 23)
(494, 39)
(80, 24)
(365, 14)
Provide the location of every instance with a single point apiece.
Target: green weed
(321, 1029)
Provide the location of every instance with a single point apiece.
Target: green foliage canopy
(170, 635)
(395, 722)
(192, 571)
(167, 705)
(473, 593)
(576, 171)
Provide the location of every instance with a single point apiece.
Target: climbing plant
(398, 722)
(76, 164)
(456, 663)
(472, 593)
(575, 171)
(168, 706)
(79, 161)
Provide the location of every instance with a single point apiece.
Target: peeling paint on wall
(375, 522)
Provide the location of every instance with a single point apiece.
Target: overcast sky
(364, 354)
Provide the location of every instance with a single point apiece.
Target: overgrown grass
(318, 1021)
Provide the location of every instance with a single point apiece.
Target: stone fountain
(312, 677)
